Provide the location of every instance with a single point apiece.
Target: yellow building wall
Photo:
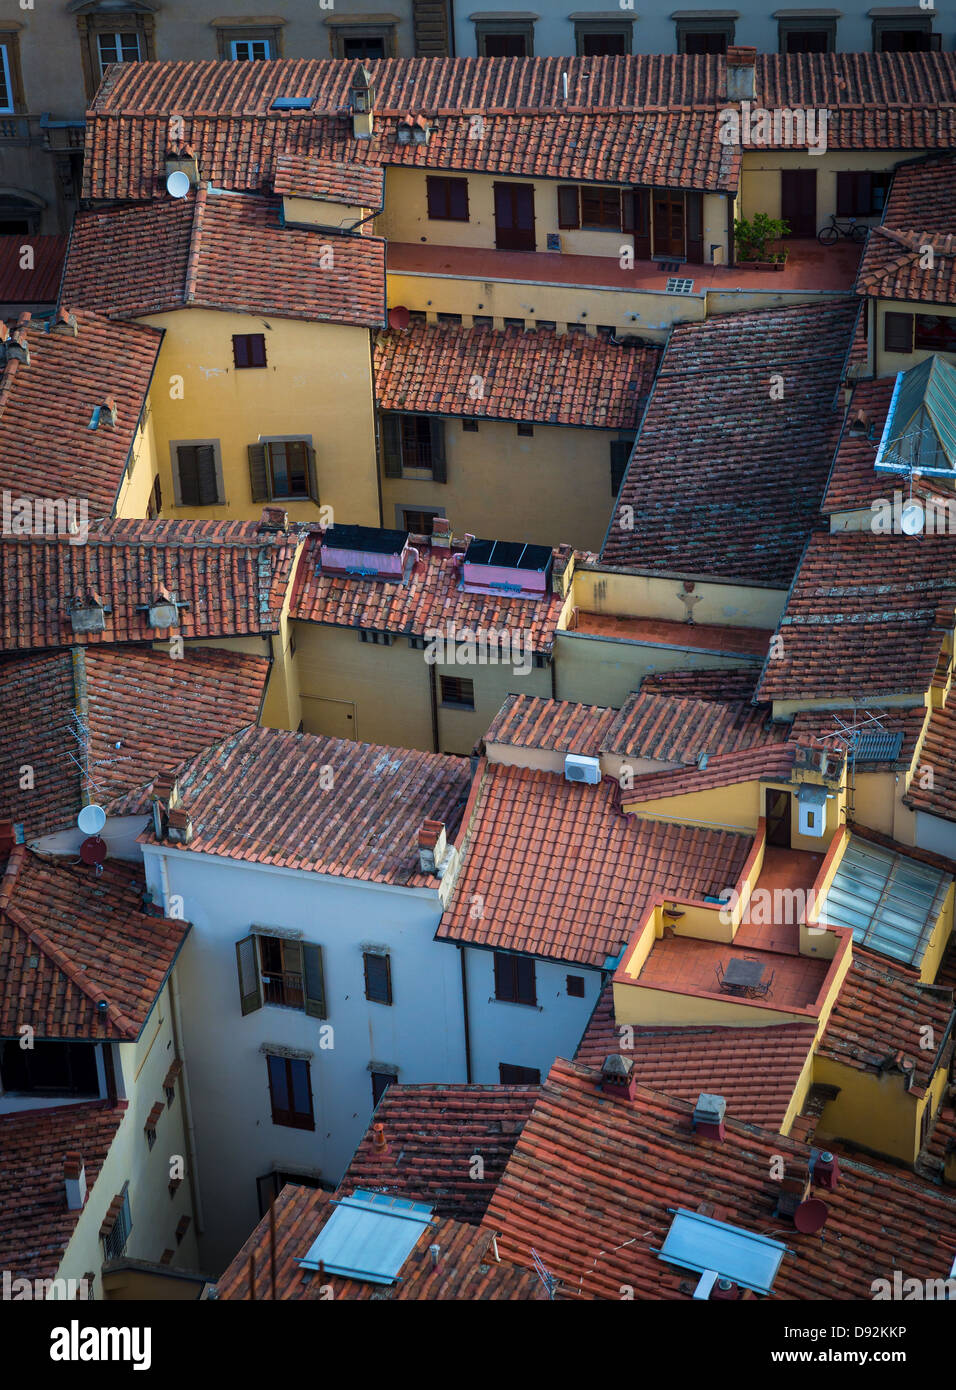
(641, 944)
(554, 487)
(889, 363)
(317, 382)
(800, 1093)
(938, 942)
(760, 177)
(315, 212)
(604, 671)
(652, 1007)
(874, 798)
(598, 590)
(133, 496)
(736, 807)
(871, 1110)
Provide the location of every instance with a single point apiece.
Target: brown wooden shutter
(642, 224)
(439, 470)
(627, 211)
(620, 453)
(314, 981)
(250, 989)
(436, 193)
(206, 473)
(313, 473)
(240, 349)
(897, 332)
(846, 194)
(569, 215)
(695, 227)
(258, 473)
(188, 475)
(391, 446)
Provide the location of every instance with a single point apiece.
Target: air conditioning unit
(580, 769)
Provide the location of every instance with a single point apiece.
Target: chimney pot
(709, 1114)
(618, 1078)
(379, 1142)
(74, 1176)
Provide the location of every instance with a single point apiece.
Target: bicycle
(846, 227)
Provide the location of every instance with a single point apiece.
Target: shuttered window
(447, 199)
(568, 214)
(249, 349)
(290, 1092)
(514, 979)
(278, 970)
(898, 332)
(620, 453)
(283, 470)
(601, 208)
(197, 482)
(378, 977)
(414, 442)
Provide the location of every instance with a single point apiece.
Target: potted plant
(754, 239)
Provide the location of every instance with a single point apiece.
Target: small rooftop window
(369, 1236)
(292, 104)
(699, 1243)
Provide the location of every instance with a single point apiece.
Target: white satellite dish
(912, 518)
(91, 819)
(177, 185)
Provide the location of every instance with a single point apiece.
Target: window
(575, 986)
(447, 199)
(378, 977)
(155, 504)
(453, 319)
(514, 979)
(381, 1080)
(413, 442)
(281, 469)
(7, 103)
(525, 431)
(375, 639)
(905, 36)
(271, 1184)
(249, 349)
(246, 43)
(418, 521)
(620, 453)
(51, 1068)
(711, 35)
(897, 332)
(118, 1225)
(935, 332)
(599, 39)
(805, 36)
(483, 320)
(113, 37)
(860, 194)
(505, 39)
(457, 693)
(509, 1075)
(197, 473)
(290, 1092)
(470, 426)
(280, 970)
(369, 46)
(417, 316)
(601, 207)
(249, 50)
(118, 48)
(550, 324)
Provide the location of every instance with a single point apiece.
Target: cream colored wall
(800, 1092)
(872, 1110)
(874, 798)
(598, 590)
(317, 383)
(760, 177)
(604, 671)
(889, 363)
(133, 496)
(654, 1007)
(786, 709)
(154, 1214)
(315, 212)
(737, 807)
(551, 488)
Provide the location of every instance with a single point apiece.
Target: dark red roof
(674, 729)
(718, 683)
(216, 250)
(853, 483)
(767, 762)
(303, 176)
(433, 1134)
(70, 939)
(920, 211)
(531, 721)
(725, 479)
(37, 705)
(937, 796)
(539, 376)
(39, 283)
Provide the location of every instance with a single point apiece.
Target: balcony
(57, 136)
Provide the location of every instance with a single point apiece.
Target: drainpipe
(177, 1022)
(433, 688)
(464, 1008)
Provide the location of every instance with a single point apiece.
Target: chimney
(441, 533)
(180, 827)
(794, 1190)
(74, 1174)
(562, 569)
(274, 519)
(182, 159)
(709, 1113)
(64, 323)
(104, 413)
(741, 73)
(13, 346)
(88, 614)
(860, 425)
(379, 1142)
(435, 1252)
(432, 845)
(824, 1169)
(618, 1078)
(363, 100)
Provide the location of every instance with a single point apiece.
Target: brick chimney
(274, 519)
(709, 1114)
(618, 1078)
(379, 1142)
(441, 533)
(74, 1175)
(179, 827)
(64, 323)
(741, 73)
(432, 846)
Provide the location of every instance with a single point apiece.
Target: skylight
(292, 104)
(369, 1236)
(699, 1243)
(891, 903)
(677, 285)
(920, 430)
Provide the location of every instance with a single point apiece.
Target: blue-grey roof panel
(698, 1242)
(369, 1236)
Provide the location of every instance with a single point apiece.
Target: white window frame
(117, 34)
(236, 44)
(6, 110)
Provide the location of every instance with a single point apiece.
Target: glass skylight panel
(699, 1243)
(890, 903)
(369, 1236)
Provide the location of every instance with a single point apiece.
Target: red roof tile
(756, 1070)
(560, 872)
(765, 762)
(37, 703)
(717, 683)
(429, 596)
(216, 250)
(593, 1183)
(47, 448)
(530, 721)
(36, 1225)
(725, 479)
(823, 724)
(70, 939)
(303, 176)
(671, 729)
(938, 797)
(920, 211)
(541, 376)
(39, 283)
(231, 575)
(866, 616)
(257, 797)
(466, 1272)
(433, 1134)
(853, 482)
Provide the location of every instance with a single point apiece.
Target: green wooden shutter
(258, 474)
(620, 453)
(188, 475)
(569, 215)
(391, 446)
(314, 982)
(206, 475)
(439, 469)
(313, 474)
(247, 961)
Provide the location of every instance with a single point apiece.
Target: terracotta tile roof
(866, 616)
(665, 632)
(939, 753)
(541, 376)
(719, 683)
(822, 724)
(530, 721)
(47, 448)
(593, 1182)
(853, 482)
(39, 284)
(724, 479)
(37, 702)
(756, 1070)
(232, 575)
(467, 1271)
(875, 1023)
(432, 1133)
(304, 176)
(216, 250)
(765, 762)
(36, 1225)
(920, 211)
(429, 596)
(648, 119)
(256, 797)
(69, 940)
(561, 873)
(672, 729)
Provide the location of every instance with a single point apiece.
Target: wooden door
(668, 211)
(798, 201)
(334, 718)
(514, 216)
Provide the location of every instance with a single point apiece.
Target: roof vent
(179, 827)
(709, 1114)
(13, 346)
(578, 768)
(414, 130)
(362, 103)
(794, 1188)
(861, 426)
(824, 1169)
(104, 413)
(74, 1175)
(88, 614)
(182, 170)
(64, 323)
(618, 1078)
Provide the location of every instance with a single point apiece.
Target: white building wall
(525, 1035)
(421, 1033)
(935, 834)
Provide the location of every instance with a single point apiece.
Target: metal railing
(26, 129)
